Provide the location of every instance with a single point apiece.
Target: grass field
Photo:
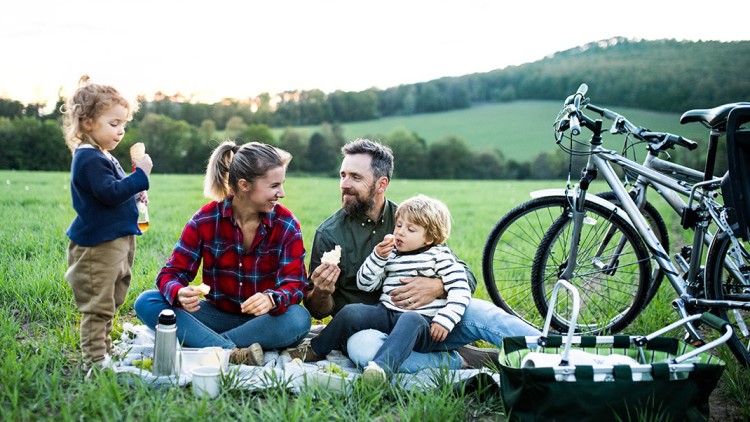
(40, 376)
(520, 129)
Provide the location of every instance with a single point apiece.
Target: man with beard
(364, 219)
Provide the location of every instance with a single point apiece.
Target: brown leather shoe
(251, 355)
(303, 352)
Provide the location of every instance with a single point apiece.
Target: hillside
(519, 129)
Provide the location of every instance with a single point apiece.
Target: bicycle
(512, 243)
(609, 259)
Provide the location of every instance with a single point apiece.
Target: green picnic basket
(603, 378)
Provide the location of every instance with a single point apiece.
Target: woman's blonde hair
(429, 213)
(88, 102)
(230, 162)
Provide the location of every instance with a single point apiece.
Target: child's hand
(143, 197)
(438, 332)
(384, 248)
(145, 164)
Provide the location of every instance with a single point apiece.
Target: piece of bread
(203, 288)
(137, 152)
(332, 257)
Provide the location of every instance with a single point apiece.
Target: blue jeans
(209, 326)
(482, 320)
(407, 331)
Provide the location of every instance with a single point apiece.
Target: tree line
(662, 75)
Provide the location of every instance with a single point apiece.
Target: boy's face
(108, 129)
(409, 236)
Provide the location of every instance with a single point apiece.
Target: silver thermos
(165, 348)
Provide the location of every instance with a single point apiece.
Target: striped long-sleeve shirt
(435, 262)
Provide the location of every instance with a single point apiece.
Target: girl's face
(409, 236)
(108, 129)
(266, 191)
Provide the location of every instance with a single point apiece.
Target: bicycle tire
(611, 295)
(720, 284)
(509, 251)
(659, 227)
(509, 254)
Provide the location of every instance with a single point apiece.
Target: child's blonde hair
(88, 102)
(429, 213)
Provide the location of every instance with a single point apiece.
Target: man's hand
(188, 298)
(258, 304)
(438, 332)
(324, 278)
(417, 291)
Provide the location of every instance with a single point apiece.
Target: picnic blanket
(137, 343)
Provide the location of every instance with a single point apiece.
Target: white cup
(206, 381)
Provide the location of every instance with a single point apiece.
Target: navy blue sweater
(103, 197)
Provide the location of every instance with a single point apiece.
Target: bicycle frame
(600, 161)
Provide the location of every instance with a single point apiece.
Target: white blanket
(138, 343)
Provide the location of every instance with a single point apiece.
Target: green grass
(40, 373)
(520, 129)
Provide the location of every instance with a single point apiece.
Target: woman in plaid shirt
(253, 260)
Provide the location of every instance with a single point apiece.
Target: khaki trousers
(99, 276)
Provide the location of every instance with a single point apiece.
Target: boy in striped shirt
(416, 248)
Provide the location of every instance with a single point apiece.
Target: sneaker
(373, 374)
(475, 357)
(98, 366)
(251, 355)
(303, 352)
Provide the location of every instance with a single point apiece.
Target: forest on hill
(663, 75)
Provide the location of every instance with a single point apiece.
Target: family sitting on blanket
(251, 248)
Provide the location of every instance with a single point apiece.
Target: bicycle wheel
(723, 284)
(659, 227)
(612, 274)
(509, 254)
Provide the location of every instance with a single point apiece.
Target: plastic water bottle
(165, 348)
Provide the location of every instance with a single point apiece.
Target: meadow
(504, 126)
(40, 373)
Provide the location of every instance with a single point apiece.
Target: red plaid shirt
(273, 264)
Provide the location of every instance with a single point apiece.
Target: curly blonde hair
(88, 102)
(429, 213)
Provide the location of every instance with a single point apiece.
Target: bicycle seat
(713, 117)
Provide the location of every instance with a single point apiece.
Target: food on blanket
(146, 364)
(203, 288)
(332, 368)
(332, 257)
(137, 152)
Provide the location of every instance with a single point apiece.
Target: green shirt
(357, 235)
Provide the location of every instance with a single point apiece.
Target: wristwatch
(273, 301)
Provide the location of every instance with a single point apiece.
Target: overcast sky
(217, 48)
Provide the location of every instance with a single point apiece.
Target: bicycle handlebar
(576, 102)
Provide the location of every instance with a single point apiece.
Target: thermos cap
(167, 317)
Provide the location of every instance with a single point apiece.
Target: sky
(212, 49)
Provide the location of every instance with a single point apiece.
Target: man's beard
(359, 206)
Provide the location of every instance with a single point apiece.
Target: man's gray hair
(381, 155)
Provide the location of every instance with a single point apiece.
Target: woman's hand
(258, 304)
(188, 299)
(438, 332)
